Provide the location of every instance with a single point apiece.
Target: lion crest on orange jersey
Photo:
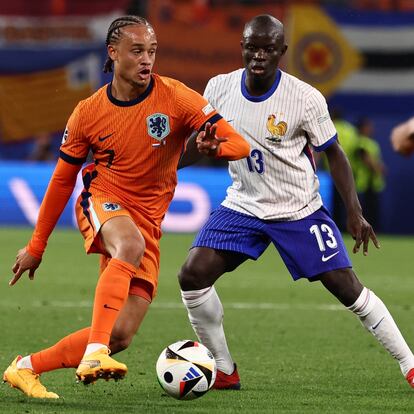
(158, 126)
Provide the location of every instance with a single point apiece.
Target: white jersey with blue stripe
(278, 180)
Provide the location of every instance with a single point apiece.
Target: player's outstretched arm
(201, 143)
(341, 173)
(235, 147)
(208, 142)
(402, 138)
(57, 195)
(216, 140)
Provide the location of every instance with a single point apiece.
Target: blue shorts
(308, 247)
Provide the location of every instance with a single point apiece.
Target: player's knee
(193, 276)
(130, 248)
(343, 284)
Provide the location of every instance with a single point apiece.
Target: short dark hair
(114, 33)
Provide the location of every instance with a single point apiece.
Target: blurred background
(358, 53)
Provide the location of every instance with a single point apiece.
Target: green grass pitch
(297, 350)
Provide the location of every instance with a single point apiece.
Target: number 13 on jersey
(255, 161)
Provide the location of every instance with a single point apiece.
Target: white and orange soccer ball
(186, 370)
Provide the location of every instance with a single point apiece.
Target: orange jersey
(137, 144)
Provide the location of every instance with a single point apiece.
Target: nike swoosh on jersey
(105, 137)
(325, 259)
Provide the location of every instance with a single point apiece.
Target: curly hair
(114, 34)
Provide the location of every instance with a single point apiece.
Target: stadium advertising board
(22, 186)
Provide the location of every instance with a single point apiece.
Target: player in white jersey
(274, 198)
(280, 125)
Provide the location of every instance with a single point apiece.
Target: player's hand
(402, 145)
(402, 138)
(207, 141)
(362, 232)
(24, 261)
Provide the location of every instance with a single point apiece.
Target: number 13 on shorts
(328, 241)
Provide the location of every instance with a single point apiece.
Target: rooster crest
(277, 130)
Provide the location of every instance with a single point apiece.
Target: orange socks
(67, 353)
(110, 296)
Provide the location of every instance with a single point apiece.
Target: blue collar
(263, 97)
(135, 101)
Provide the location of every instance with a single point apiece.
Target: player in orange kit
(136, 127)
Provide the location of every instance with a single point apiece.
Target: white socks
(25, 363)
(93, 347)
(376, 318)
(205, 313)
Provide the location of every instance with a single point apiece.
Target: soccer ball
(186, 370)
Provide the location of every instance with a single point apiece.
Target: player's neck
(125, 91)
(257, 86)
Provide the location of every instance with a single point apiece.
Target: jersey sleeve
(195, 109)
(318, 123)
(236, 147)
(75, 143)
(60, 189)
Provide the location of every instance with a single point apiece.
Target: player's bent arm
(60, 189)
(236, 147)
(402, 138)
(341, 173)
(191, 154)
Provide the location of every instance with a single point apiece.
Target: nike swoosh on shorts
(325, 259)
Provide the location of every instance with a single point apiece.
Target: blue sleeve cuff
(326, 144)
(70, 159)
(212, 121)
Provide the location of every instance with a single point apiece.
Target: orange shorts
(93, 210)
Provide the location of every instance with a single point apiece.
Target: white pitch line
(179, 305)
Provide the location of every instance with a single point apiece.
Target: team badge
(277, 131)
(158, 126)
(111, 207)
(65, 136)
